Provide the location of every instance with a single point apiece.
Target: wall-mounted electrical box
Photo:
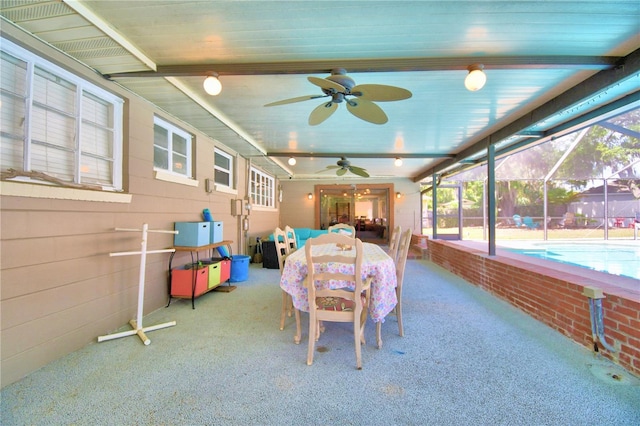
(209, 185)
(240, 207)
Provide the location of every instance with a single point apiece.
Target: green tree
(604, 149)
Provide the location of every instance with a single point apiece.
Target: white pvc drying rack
(136, 324)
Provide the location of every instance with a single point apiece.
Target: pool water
(616, 259)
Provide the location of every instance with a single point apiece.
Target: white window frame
(172, 130)
(109, 153)
(221, 186)
(262, 189)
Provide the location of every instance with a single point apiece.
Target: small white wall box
(216, 232)
(192, 234)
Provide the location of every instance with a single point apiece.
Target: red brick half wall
(553, 294)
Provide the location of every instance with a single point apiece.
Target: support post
(434, 203)
(491, 197)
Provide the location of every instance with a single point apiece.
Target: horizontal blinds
(13, 78)
(54, 122)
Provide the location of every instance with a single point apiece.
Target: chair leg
(319, 329)
(283, 312)
(356, 340)
(313, 323)
(399, 316)
(298, 337)
(363, 322)
(379, 334)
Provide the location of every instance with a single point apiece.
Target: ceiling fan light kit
(360, 99)
(212, 85)
(476, 78)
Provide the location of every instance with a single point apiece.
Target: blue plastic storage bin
(239, 268)
(192, 234)
(216, 232)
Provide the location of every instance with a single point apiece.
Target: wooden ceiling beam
(379, 65)
(356, 155)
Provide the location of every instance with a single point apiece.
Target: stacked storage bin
(192, 234)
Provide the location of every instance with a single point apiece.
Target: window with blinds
(262, 189)
(171, 148)
(56, 123)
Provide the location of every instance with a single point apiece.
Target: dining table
(376, 264)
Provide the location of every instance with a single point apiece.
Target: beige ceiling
(549, 65)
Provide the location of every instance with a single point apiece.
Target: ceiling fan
(359, 98)
(343, 166)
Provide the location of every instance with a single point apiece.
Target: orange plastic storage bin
(182, 281)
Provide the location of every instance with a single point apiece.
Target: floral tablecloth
(376, 263)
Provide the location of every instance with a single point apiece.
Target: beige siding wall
(407, 207)
(296, 210)
(60, 289)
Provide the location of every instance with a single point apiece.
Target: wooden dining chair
(401, 262)
(343, 228)
(291, 238)
(394, 240)
(282, 251)
(346, 303)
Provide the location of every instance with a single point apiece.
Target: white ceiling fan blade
(326, 84)
(367, 111)
(322, 112)
(298, 99)
(380, 92)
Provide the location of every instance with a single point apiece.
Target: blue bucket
(239, 268)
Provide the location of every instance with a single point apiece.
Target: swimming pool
(616, 259)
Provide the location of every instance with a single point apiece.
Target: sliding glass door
(367, 207)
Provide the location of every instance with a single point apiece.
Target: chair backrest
(568, 218)
(282, 246)
(401, 260)
(343, 228)
(350, 283)
(291, 238)
(393, 242)
(517, 220)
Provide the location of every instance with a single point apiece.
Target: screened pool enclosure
(585, 184)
